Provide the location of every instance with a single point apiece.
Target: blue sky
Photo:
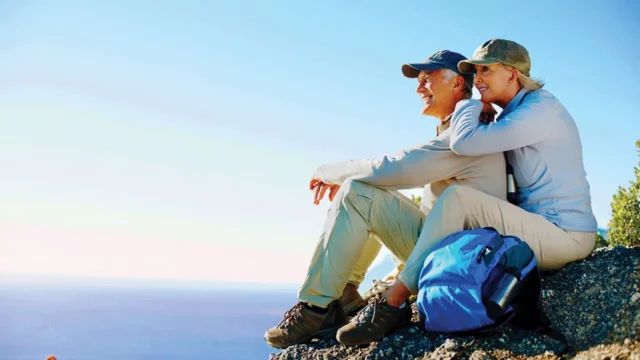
(177, 139)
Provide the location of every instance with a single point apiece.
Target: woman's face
(493, 82)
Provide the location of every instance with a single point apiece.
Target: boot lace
(368, 314)
(292, 315)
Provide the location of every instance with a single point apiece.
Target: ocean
(100, 322)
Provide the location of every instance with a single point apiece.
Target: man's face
(435, 92)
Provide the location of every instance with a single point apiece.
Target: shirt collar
(514, 103)
(443, 126)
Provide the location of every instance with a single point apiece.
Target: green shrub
(624, 226)
(600, 241)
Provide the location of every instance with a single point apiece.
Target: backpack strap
(558, 336)
(538, 322)
(530, 317)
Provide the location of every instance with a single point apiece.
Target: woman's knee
(453, 195)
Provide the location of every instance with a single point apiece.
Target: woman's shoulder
(542, 98)
(540, 95)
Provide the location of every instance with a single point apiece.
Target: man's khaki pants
(361, 213)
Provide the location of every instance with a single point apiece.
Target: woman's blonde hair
(526, 81)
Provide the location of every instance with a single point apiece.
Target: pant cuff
(410, 282)
(319, 301)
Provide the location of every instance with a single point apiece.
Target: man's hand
(321, 188)
(488, 113)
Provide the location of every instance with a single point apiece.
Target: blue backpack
(475, 281)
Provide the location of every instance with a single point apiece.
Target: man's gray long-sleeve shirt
(432, 165)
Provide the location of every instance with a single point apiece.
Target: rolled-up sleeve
(410, 168)
(527, 124)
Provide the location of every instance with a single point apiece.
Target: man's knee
(352, 188)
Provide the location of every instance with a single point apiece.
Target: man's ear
(458, 84)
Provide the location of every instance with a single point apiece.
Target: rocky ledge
(594, 302)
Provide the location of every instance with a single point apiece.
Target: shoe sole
(365, 342)
(325, 334)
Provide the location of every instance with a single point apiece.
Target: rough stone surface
(594, 302)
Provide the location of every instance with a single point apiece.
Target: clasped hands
(488, 113)
(320, 190)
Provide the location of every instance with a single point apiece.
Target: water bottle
(511, 185)
(504, 294)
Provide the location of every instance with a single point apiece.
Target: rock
(594, 302)
(629, 351)
(481, 355)
(449, 350)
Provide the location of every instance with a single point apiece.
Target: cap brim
(412, 70)
(468, 66)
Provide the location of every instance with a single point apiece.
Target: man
(367, 207)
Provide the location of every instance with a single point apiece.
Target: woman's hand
(488, 113)
(321, 188)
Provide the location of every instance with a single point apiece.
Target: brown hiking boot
(373, 322)
(351, 300)
(378, 288)
(301, 323)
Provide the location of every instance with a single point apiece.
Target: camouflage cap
(498, 51)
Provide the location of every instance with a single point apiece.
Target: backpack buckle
(485, 251)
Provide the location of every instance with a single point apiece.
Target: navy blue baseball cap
(443, 59)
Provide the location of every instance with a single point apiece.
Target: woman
(542, 144)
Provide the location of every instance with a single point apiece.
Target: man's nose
(420, 88)
(477, 80)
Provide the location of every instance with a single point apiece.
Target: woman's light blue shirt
(542, 144)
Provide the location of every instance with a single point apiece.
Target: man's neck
(444, 124)
(445, 115)
(443, 119)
